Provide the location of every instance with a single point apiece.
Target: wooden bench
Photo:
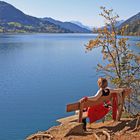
(77, 106)
(73, 118)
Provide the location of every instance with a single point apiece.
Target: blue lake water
(39, 75)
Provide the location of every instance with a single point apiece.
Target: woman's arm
(96, 97)
(92, 98)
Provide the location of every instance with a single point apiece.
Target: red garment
(114, 106)
(97, 112)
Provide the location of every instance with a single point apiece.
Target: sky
(85, 11)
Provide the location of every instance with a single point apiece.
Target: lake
(39, 75)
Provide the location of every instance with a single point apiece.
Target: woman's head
(102, 83)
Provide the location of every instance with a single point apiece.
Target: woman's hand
(84, 99)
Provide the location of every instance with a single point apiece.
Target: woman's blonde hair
(102, 82)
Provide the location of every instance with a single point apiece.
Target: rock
(63, 130)
(74, 131)
(59, 132)
(40, 136)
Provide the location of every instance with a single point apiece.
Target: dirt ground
(123, 130)
(109, 130)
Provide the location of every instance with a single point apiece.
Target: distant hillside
(68, 25)
(8, 13)
(14, 20)
(119, 23)
(133, 25)
(82, 25)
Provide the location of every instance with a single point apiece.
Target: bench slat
(76, 106)
(73, 107)
(72, 118)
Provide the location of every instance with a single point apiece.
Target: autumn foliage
(122, 65)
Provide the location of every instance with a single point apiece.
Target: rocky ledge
(126, 129)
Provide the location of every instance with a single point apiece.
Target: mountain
(118, 23)
(14, 20)
(133, 25)
(94, 28)
(82, 25)
(9, 13)
(68, 25)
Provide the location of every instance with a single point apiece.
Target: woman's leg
(84, 123)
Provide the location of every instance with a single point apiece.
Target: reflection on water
(39, 75)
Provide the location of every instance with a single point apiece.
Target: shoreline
(32, 33)
(123, 130)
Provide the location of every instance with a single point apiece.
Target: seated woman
(104, 90)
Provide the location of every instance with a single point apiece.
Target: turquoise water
(39, 75)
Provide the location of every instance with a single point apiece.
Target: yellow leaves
(126, 26)
(112, 33)
(99, 30)
(138, 59)
(110, 41)
(92, 44)
(130, 55)
(111, 65)
(105, 30)
(120, 63)
(104, 33)
(122, 41)
(123, 29)
(116, 81)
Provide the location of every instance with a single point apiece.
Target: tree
(123, 65)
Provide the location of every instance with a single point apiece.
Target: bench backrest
(76, 106)
(80, 107)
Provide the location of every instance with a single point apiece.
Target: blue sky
(85, 11)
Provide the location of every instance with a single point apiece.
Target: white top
(99, 93)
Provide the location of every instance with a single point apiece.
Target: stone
(63, 130)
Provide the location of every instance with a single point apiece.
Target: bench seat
(73, 118)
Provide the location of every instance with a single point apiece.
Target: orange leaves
(92, 44)
(122, 41)
(123, 29)
(137, 58)
(121, 64)
(111, 65)
(104, 31)
(130, 55)
(113, 33)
